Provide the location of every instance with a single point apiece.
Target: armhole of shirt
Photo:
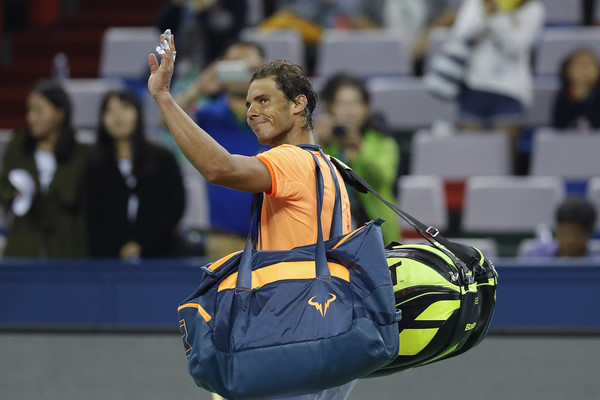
(267, 162)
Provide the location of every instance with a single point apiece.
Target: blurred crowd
(123, 196)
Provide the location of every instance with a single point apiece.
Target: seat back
(423, 197)
(569, 155)
(86, 96)
(593, 195)
(124, 51)
(561, 12)
(556, 44)
(407, 105)
(458, 156)
(510, 204)
(277, 43)
(363, 52)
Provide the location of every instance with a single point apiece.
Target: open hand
(159, 81)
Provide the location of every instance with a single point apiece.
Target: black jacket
(161, 197)
(567, 112)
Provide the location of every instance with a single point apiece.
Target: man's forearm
(208, 156)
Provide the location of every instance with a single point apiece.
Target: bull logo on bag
(320, 307)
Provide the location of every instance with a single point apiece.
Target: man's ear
(300, 104)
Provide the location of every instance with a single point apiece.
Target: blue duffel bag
(279, 323)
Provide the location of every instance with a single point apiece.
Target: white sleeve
(470, 20)
(515, 33)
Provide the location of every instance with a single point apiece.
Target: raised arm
(214, 162)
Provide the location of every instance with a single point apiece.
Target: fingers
(166, 46)
(153, 63)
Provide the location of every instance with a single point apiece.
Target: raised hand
(159, 81)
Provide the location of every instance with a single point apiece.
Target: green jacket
(55, 226)
(377, 162)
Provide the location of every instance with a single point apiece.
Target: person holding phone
(351, 132)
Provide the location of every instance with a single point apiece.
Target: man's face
(269, 113)
(572, 239)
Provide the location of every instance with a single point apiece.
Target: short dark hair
(292, 81)
(577, 210)
(342, 79)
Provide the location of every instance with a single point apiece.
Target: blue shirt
(545, 249)
(229, 209)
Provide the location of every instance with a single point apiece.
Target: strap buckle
(431, 231)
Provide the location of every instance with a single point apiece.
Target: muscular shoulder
(290, 167)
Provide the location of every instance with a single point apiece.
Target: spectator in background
(498, 76)
(210, 85)
(414, 20)
(224, 116)
(136, 195)
(311, 17)
(577, 104)
(42, 183)
(204, 28)
(350, 132)
(575, 221)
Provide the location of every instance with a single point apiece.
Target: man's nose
(251, 112)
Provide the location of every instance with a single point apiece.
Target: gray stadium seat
(195, 215)
(423, 197)
(544, 92)
(277, 43)
(563, 12)
(510, 204)
(593, 194)
(460, 155)
(556, 44)
(406, 104)
(363, 52)
(125, 51)
(569, 155)
(86, 95)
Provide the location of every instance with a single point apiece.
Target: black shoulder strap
(429, 233)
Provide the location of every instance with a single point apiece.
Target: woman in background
(350, 132)
(577, 104)
(136, 192)
(498, 79)
(42, 181)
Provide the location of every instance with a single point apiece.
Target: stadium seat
(539, 114)
(510, 204)
(569, 155)
(277, 43)
(422, 197)
(556, 44)
(593, 194)
(460, 155)
(195, 215)
(561, 12)
(406, 105)
(364, 52)
(86, 95)
(124, 51)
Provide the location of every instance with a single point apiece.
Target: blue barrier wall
(532, 297)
